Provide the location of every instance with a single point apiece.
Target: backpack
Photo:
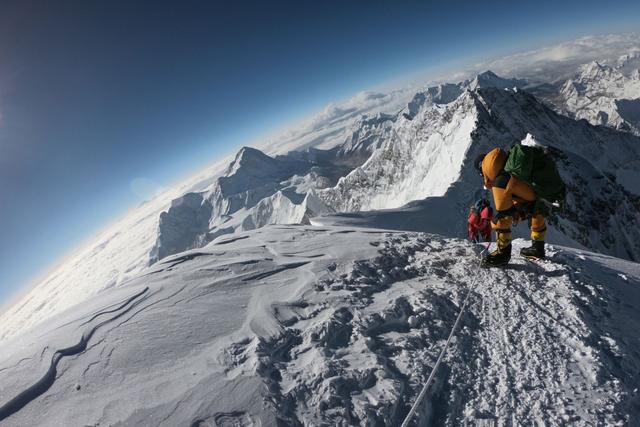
(535, 166)
(481, 204)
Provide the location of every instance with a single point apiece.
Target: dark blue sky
(94, 94)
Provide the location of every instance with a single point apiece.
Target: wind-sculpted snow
(46, 381)
(300, 325)
(107, 260)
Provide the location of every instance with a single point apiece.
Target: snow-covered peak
(252, 159)
(629, 63)
(450, 92)
(440, 94)
(490, 79)
(627, 58)
(598, 80)
(593, 70)
(601, 94)
(416, 158)
(252, 168)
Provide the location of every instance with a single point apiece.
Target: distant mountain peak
(491, 79)
(594, 69)
(488, 75)
(249, 153)
(252, 158)
(602, 94)
(449, 92)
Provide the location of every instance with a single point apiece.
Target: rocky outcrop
(183, 226)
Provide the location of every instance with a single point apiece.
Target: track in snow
(341, 326)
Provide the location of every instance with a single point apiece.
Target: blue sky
(96, 94)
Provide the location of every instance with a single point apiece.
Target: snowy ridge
(490, 79)
(340, 330)
(420, 157)
(127, 246)
(256, 190)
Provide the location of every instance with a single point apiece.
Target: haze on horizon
(101, 106)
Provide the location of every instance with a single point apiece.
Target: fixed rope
(432, 375)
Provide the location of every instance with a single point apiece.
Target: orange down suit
(508, 191)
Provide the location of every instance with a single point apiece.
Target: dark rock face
(186, 222)
(629, 110)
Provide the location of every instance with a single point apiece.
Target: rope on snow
(432, 375)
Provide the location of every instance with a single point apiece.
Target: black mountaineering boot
(535, 251)
(497, 258)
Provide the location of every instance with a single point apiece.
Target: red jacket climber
(480, 224)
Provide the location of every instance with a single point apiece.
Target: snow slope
(108, 259)
(300, 325)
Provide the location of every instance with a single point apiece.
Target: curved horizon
(26, 263)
